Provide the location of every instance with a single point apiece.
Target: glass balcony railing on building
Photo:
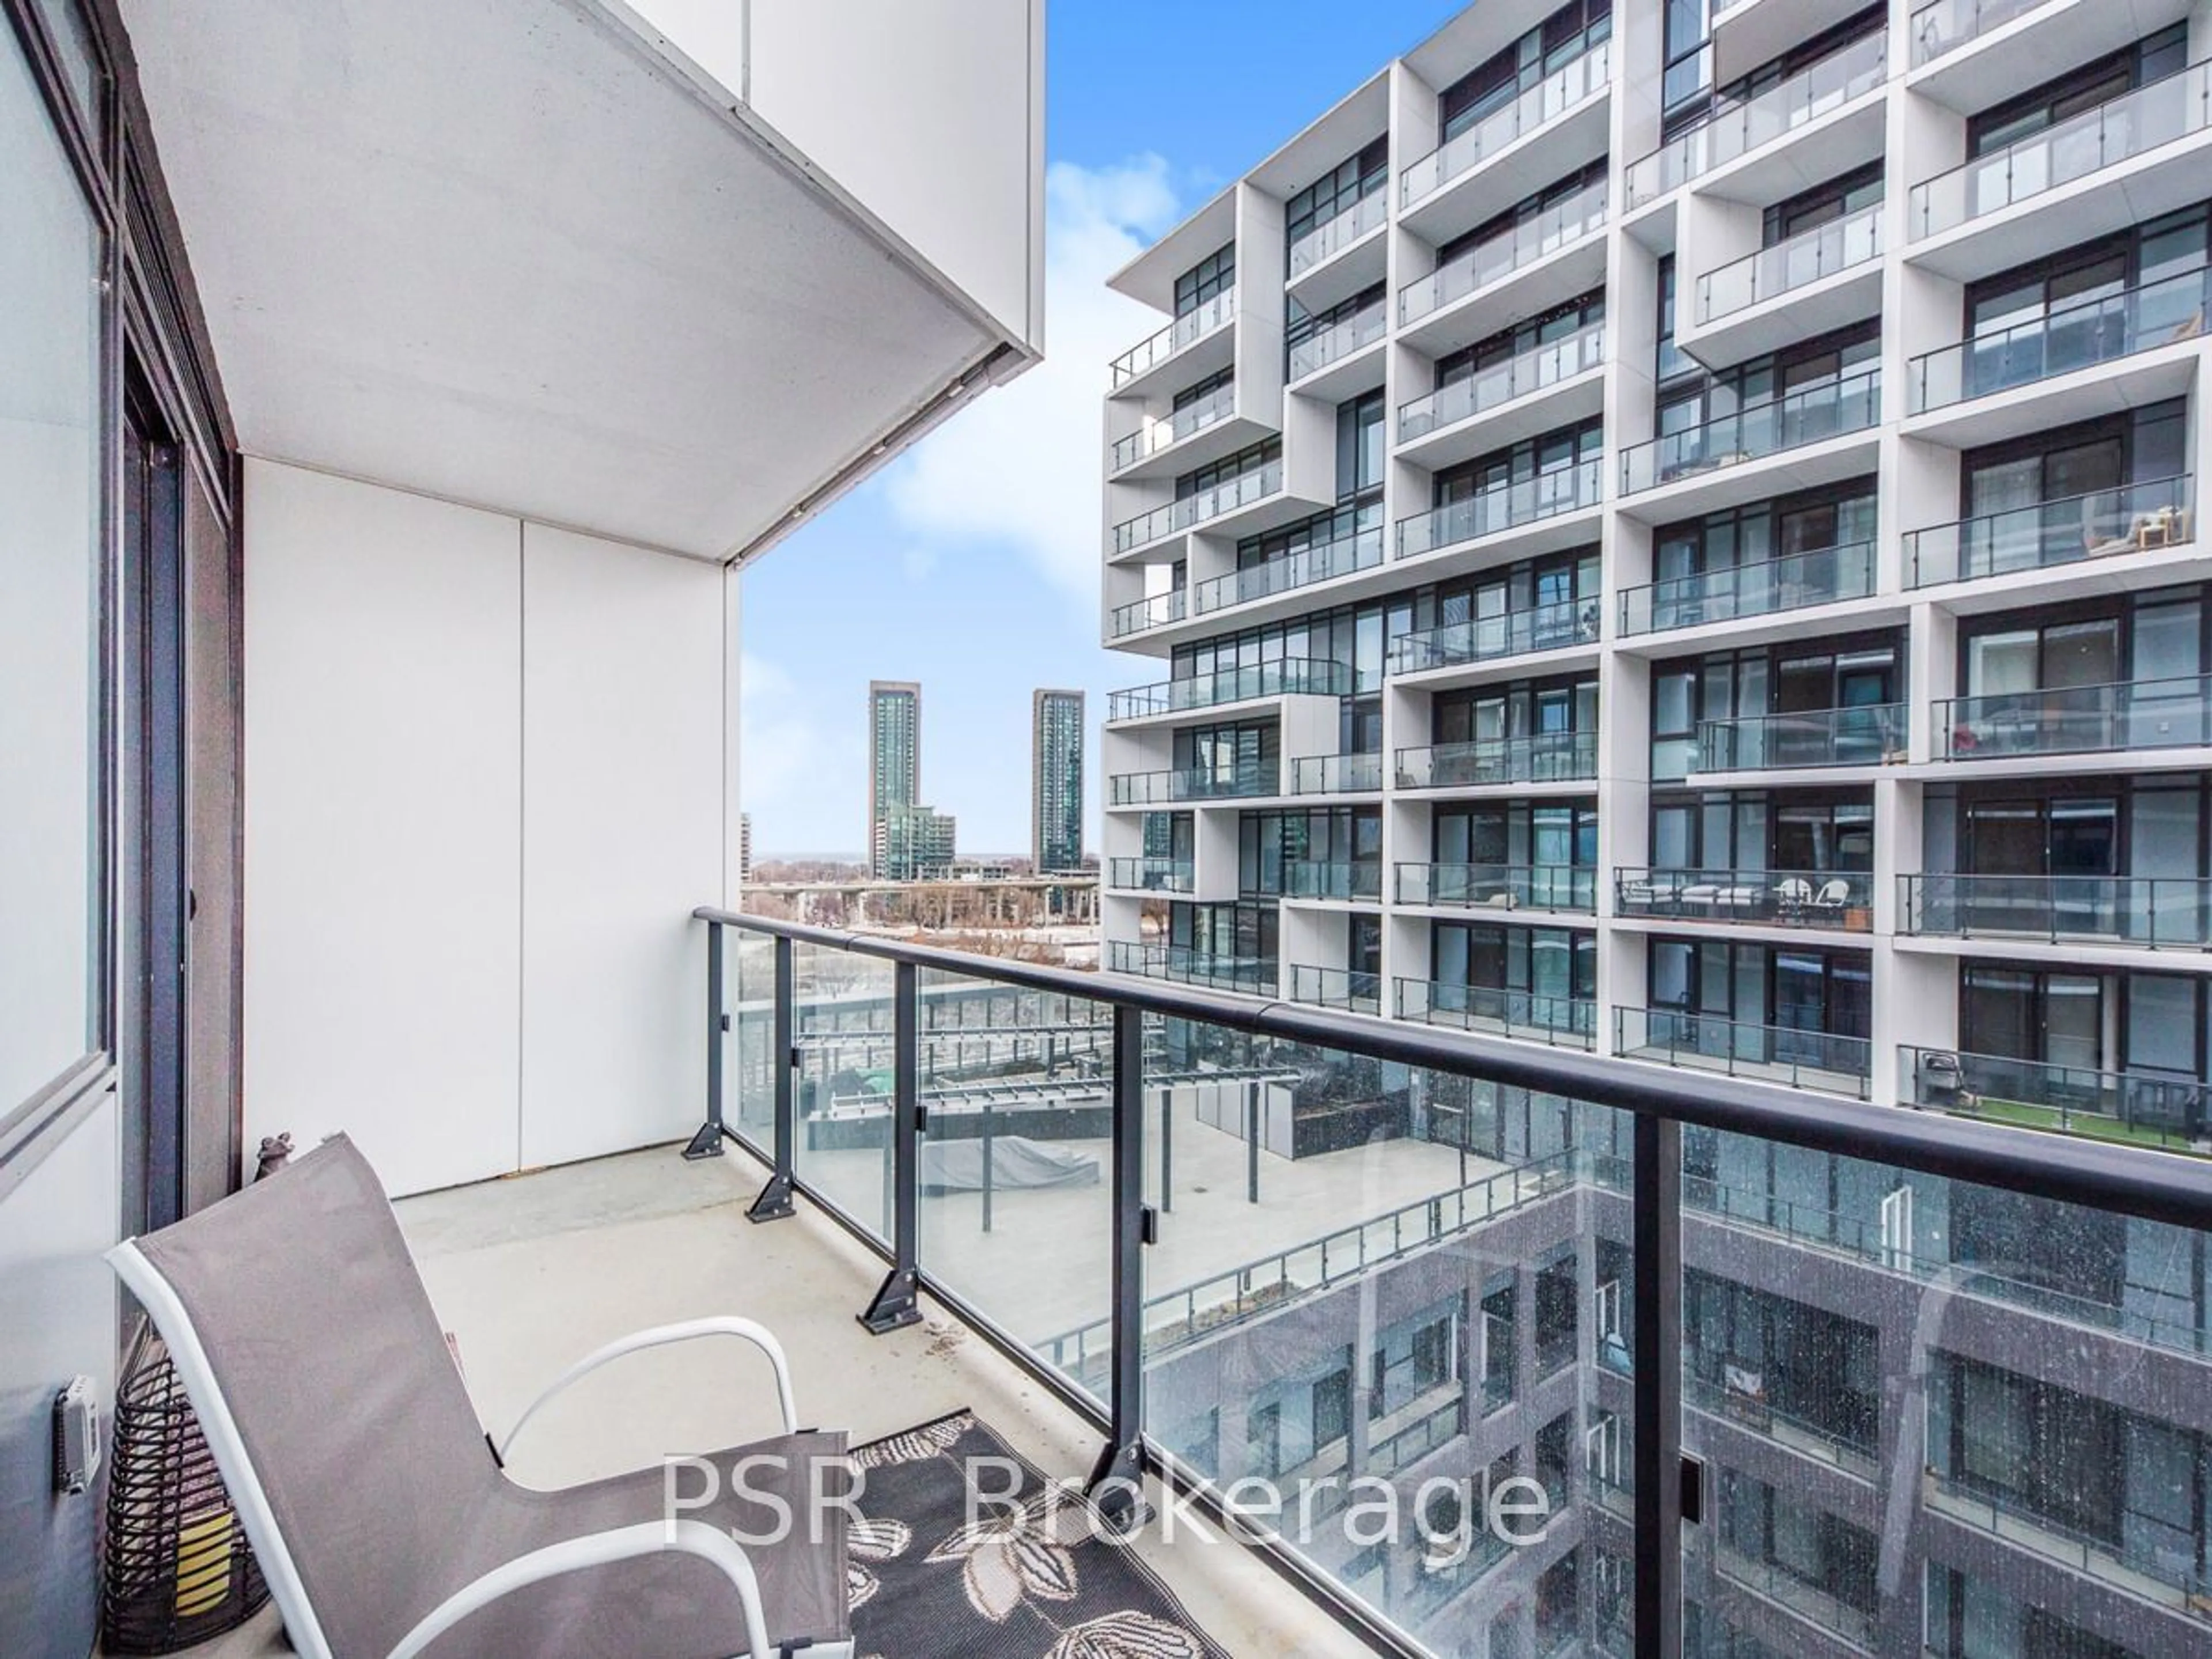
(1738, 128)
(1349, 880)
(1827, 1062)
(1338, 987)
(1552, 758)
(1843, 900)
(2169, 913)
(1793, 582)
(1179, 515)
(1532, 371)
(1557, 227)
(1152, 875)
(1333, 235)
(1283, 676)
(1873, 735)
(1338, 340)
(1562, 1021)
(1244, 780)
(1187, 330)
(1567, 887)
(1336, 774)
(1814, 255)
(1503, 507)
(2145, 1109)
(1587, 67)
(2080, 335)
(1192, 418)
(1834, 409)
(1515, 633)
(1946, 25)
(2113, 132)
(1189, 966)
(2076, 720)
(1340, 556)
(2136, 518)
(1156, 611)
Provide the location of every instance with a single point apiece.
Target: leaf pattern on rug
(915, 1445)
(870, 1540)
(1017, 1553)
(1128, 1635)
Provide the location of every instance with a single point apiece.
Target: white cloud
(1022, 467)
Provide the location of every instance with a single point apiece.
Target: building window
(1563, 36)
(1214, 275)
(1359, 447)
(1341, 187)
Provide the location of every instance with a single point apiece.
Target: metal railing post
(1661, 1473)
(773, 1203)
(706, 1142)
(894, 1305)
(1116, 1483)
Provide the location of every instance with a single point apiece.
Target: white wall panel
(383, 716)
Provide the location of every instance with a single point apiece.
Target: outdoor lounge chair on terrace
(377, 1506)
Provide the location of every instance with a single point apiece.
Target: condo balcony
(1336, 774)
(1188, 966)
(1559, 627)
(1871, 735)
(1833, 410)
(1562, 1022)
(1353, 993)
(1568, 888)
(2132, 1108)
(2137, 518)
(1245, 780)
(1157, 611)
(1826, 1063)
(1830, 277)
(1281, 677)
(1468, 296)
(2114, 1560)
(2076, 719)
(1456, 421)
(1345, 881)
(1203, 507)
(1323, 268)
(1339, 341)
(1152, 875)
(1207, 321)
(1838, 899)
(1785, 1585)
(1796, 581)
(1745, 1409)
(1154, 437)
(1549, 757)
(1944, 26)
(1493, 512)
(1342, 556)
(2156, 913)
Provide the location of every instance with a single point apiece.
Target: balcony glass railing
(1546, 365)
(1154, 612)
(1775, 1582)
(1192, 418)
(1570, 888)
(1188, 511)
(1334, 234)
(1832, 409)
(1562, 1022)
(1484, 639)
(1793, 582)
(1502, 507)
(1790, 898)
(2076, 720)
(1152, 875)
(1283, 676)
(1537, 105)
(1362, 551)
(1187, 330)
(1337, 987)
(2063, 342)
(1580, 216)
(1737, 129)
(1814, 255)
(2160, 913)
(2133, 518)
(1347, 880)
(1871, 736)
(2133, 1107)
(2084, 144)
(1822, 1060)
(1255, 975)
(1338, 340)
(1855, 1454)
(1336, 774)
(1552, 758)
(1946, 25)
(2168, 1576)
(1243, 782)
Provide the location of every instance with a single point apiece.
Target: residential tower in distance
(1056, 781)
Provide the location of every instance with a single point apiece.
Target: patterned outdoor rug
(1030, 1578)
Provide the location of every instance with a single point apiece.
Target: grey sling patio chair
(381, 1514)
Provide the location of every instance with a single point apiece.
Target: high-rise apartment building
(911, 843)
(894, 748)
(744, 846)
(1056, 780)
(1669, 529)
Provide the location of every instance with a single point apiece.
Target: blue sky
(972, 565)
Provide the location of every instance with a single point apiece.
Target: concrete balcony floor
(532, 1271)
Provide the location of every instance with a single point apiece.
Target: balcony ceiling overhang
(524, 254)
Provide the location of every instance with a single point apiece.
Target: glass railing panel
(1316, 352)
(2074, 720)
(1562, 1021)
(1192, 418)
(1327, 774)
(1946, 25)
(1282, 676)
(1820, 576)
(1542, 627)
(1739, 128)
(1566, 887)
(1841, 244)
(1175, 517)
(1179, 963)
(1840, 899)
(1152, 875)
(1362, 551)
(1833, 410)
(1156, 611)
(1870, 736)
(1346, 879)
(1190, 783)
(1557, 227)
(1547, 365)
(843, 1035)
(2157, 912)
(1339, 987)
(1505, 507)
(1536, 106)
(1554, 758)
(2135, 518)
(1829, 1062)
(2073, 337)
(1187, 330)
(2113, 133)
(2133, 1107)
(1333, 235)
(749, 1049)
